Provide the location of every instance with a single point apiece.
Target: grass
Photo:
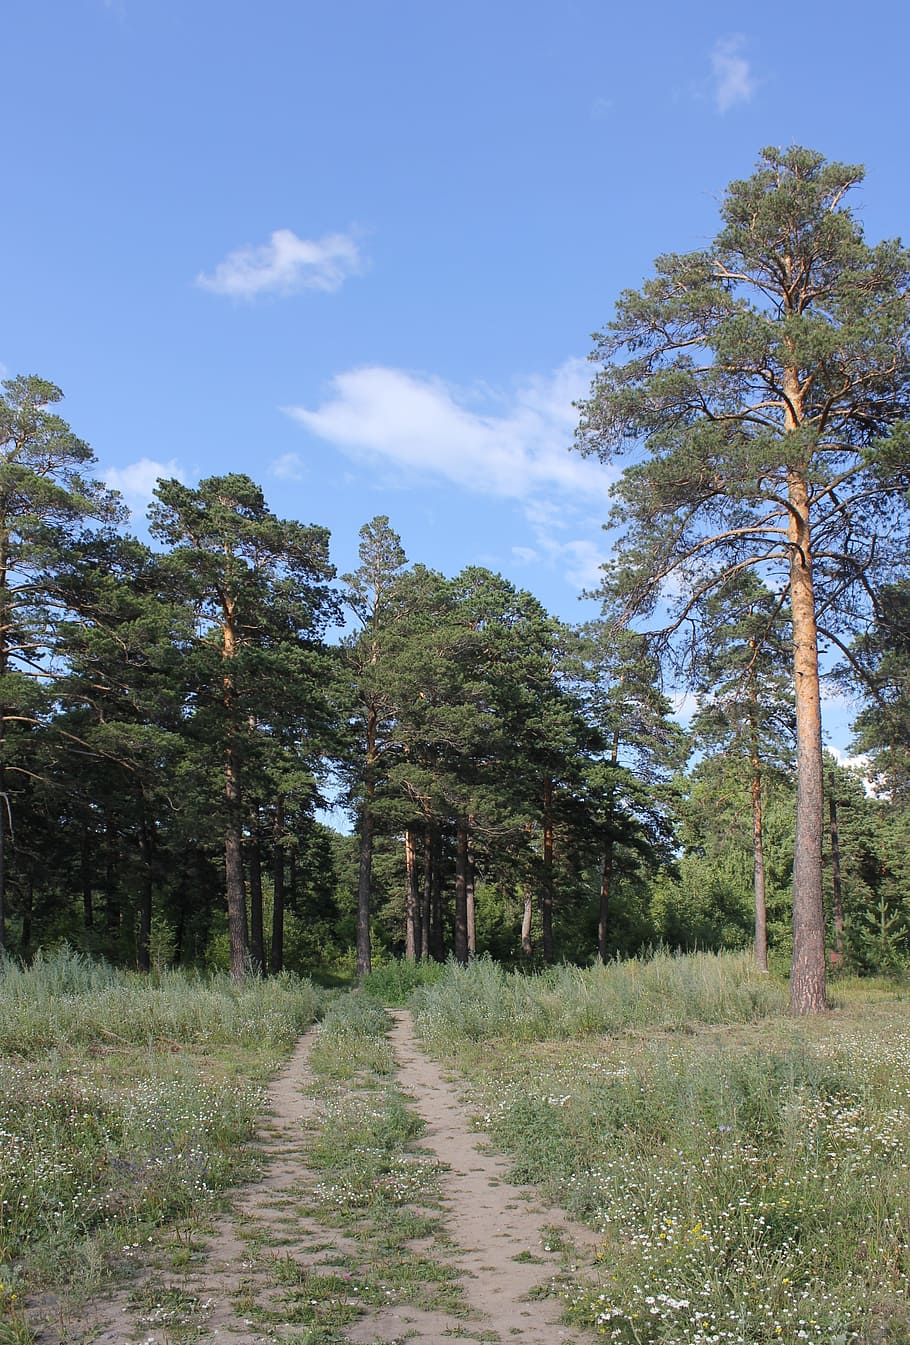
(482, 1002)
(375, 1184)
(125, 1104)
(369, 1189)
(748, 1173)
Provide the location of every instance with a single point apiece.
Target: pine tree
(46, 502)
(257, 586)
(745, 703)
(766, 382)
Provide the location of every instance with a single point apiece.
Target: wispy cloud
(286, 264)
(137, 481)
(601, 107)
(512, 445)
(289, 467)
(734, 81)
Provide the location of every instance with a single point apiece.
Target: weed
(750, 1184)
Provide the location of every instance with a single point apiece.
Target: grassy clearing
(482, 1001)
(750, 1180)
(393, 983)
(124, 1104)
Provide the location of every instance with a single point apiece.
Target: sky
(357, 250)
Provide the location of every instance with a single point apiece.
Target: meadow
(746, 1173)
(126, 1104)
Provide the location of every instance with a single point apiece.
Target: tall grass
(65, 998)
(482, 1001)
(748, 1173)
(394, 982)
(125, 1103)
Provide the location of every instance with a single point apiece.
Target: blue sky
(357, 250)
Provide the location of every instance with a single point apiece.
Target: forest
(182, 720)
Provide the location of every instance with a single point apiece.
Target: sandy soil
(489, 1221)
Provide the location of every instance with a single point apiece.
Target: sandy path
(164, 1304)
(489, 1221)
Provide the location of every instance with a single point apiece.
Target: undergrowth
(748, 1173)
(125, 1103)
(482, 1001)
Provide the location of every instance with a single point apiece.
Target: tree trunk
(836, 878)
(257, 932)
(526, 946)
(85, 871)
(438, 945)
(27, 909)
(144, 950)
(4, 809)
(546, 898)
(364, 950)
(461, 892)
(235, 888)
(276, 961)
(603, 912)
(365, 875)
(426, 895)
(412, 929)
(111, 895)
(807, 973)
(758, 868)
(470, 893)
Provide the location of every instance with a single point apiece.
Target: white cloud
(284, 265)
(733, 79)
(137, 481)
(516, 448)
(289, 467)
(526, 554)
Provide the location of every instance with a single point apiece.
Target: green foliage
(746, 1184)
(482, 1002)
(66, 999)
(125, 1102)
(764, 385)
(394, 982)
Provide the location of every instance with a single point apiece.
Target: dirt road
(500, 1241)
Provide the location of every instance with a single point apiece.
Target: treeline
(174, 718)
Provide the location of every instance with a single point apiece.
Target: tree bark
(758, 868)
(257, 932)
(85, 865)
(807, 974)
(603, 913)
(235, 889)
(546, 896)
(111, 896)
(144, 950)
(426, 896)
(27, 909)
(461, 892)
(412, 924)
(527, 913)
(276, 961)
(365, 874)
(438, 945)
(470, 891)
